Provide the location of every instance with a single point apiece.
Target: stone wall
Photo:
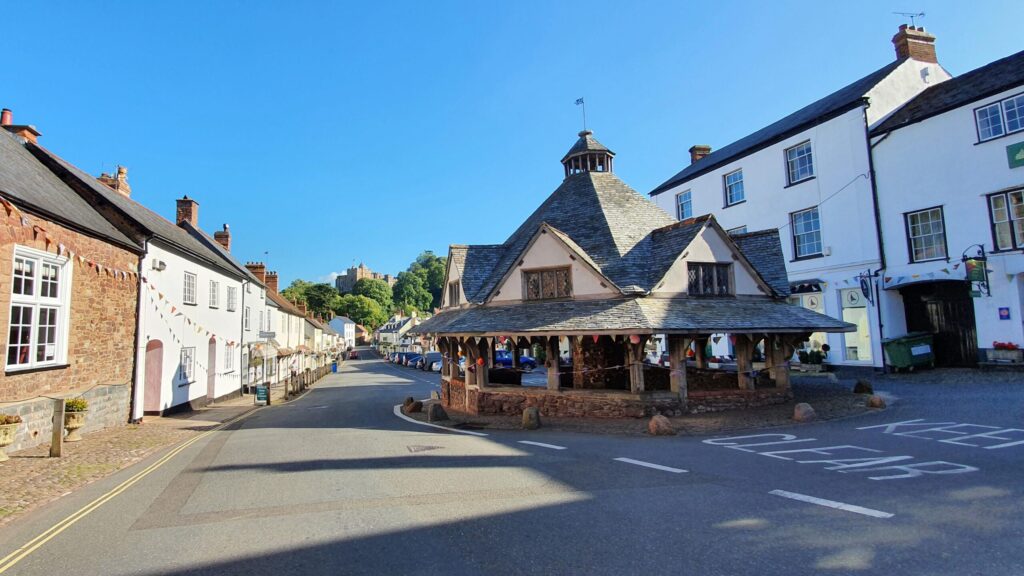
(101, 329)
(699, 401)
(108, 406)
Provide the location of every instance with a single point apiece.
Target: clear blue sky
(329, 132)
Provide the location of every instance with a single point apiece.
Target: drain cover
(415, 449)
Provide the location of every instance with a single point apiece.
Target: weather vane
(580, 102)
(911, 15)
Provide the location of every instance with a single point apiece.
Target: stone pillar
(551, 343)
(744, 361)
(677, 346)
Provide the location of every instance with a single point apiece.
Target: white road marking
(398, 412)
(832, 504)
(542, 445)
(649, 465)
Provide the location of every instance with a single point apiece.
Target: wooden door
(151, 401)
(946, 310)
(211, 371)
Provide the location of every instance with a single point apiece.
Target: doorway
(946, 310)
(211, 371)
(151, 401)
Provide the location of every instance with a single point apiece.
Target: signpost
(262, 395)
(266, 336)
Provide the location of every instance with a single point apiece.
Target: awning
(895, 281)
(805, 286)
(302, 348)
(284, 352)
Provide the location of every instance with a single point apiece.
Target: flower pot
(72, 422)
(7, 432)
(1000, 355)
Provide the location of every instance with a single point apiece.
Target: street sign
(262, 394)
(266, 335)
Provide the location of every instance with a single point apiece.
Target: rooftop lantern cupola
(587, 155)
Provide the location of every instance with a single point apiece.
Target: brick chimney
(188, 211)
(302, 307)
(271, 282)
(118, 182)
(259, 270)
(913, 42)
(699, 151)
(223, 237)
(26, 131)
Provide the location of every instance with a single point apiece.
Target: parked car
(503, 359)
(429, 359)
(400, 357)
(353, 355)
(410, 360)
(435, 366)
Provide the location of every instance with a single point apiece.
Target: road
(335, 483)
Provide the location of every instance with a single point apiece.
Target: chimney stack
(118, 182)
(302, 307)
(188, 211)
(259, 270)
(25, 131)
(914, 43)
(223, 237)
(699, 151)
(272, 282)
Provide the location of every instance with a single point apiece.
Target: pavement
(335, 483)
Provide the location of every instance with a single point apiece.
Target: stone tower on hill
(347, 281)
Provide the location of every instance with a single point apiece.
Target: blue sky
(329, 133)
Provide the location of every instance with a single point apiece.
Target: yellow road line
(31, 546)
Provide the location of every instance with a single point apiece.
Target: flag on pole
(579, 101)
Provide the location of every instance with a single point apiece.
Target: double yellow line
(7, 562)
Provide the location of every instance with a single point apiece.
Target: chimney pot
(699, 151)
(259, 270)
(118, 182)
(271, 281)
(6, 117)
(914, 43)
(188, 211)
(223, 237)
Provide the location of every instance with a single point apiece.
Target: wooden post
(699, 357)
(458, 349)
(634, 358)
(552, 362)
(483, 378)
(491, 345)
(57, 438)
(677, 346)
(576, 345)
(515, 352)
(471, 361)
(744, 358)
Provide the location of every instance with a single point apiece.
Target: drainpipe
(133, 399)
(242, 342)
(878, 227)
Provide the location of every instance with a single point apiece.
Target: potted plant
(1005, 352)
(8, 427)
(810, 360)
(75, 410)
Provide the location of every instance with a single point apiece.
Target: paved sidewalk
(30, 478)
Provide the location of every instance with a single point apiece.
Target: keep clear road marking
(832, 504)
(542, 445)
(649, 465)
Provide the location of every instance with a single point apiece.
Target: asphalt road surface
(335, 483)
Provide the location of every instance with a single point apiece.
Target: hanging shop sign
(1015, 155)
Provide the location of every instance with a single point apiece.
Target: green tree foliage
(322, 298)
(430, 269)
(296, 291)
(374, 289)
(362, 310)
(411, 293)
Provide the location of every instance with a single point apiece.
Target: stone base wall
(108, 406)
(699, 401)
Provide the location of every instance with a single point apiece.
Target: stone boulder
(660, 426)
(875, 401)
(803, 412)
(863, 387)
(436, 413)
(416, 406)
(408, 401)
(531, 418)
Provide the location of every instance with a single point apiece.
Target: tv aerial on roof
(911, 15)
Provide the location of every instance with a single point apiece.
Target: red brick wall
(101, 337)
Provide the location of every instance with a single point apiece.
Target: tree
(296, 291)
(410, 293)
(374, 289)
(361, 310)
(321, 298)
(431, 269)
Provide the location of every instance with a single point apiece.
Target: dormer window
(708, 279)
(547, 284)
(453, 293)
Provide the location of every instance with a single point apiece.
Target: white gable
(709, 246)
(547, 251)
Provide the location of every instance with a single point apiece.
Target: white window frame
(684, 205)
(261, 320)
(1008, 219)
(245, 318)
(229, 357)
(189, 286)
(794, 159)
(214, 294)
(187, 365)
(734, 191)
(796, 242)
(61, 304)
(912, 239)
(232, 298)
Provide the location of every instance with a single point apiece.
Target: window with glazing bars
(708, 279)
(547, 284)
